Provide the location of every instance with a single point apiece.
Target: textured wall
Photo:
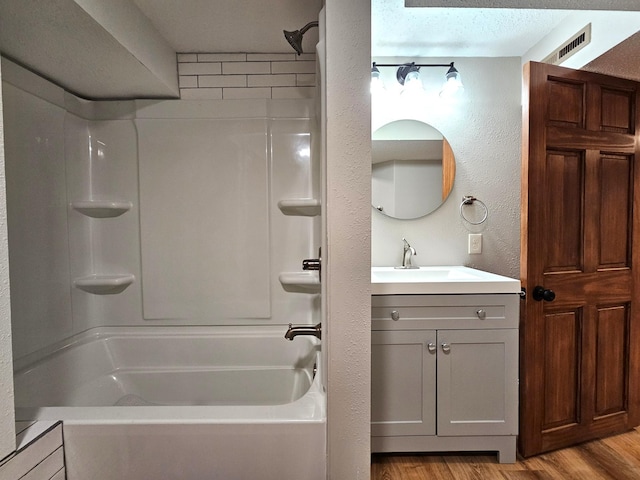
(483, 127)
(7, 437)
(348, 186)
(93, 48)
(603, 40)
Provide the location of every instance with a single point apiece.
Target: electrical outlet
(475, 243)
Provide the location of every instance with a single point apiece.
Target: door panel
(617, 110)
(562, 360)
(564, 184)
(615, 211)
(611, 352)
(580, 371)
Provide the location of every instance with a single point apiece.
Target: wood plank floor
(612, 458)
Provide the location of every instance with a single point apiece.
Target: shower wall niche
(170, 213)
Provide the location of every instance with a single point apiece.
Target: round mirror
(413, 169)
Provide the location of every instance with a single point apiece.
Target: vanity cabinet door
(403, 382)
(478, 382)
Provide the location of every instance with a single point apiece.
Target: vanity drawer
(417, 312)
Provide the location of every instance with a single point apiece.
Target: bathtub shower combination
(155, 257)
(223, 402)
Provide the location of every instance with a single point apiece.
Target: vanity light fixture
(408, 75)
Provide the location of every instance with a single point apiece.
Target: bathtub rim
(310, 408)
(28, 361)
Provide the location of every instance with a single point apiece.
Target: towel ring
(469, 200)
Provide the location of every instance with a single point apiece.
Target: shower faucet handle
(311, 264)
(314, 264)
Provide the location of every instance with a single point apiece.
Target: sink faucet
(407, 255)
(293, 332)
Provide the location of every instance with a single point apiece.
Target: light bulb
(453, 83)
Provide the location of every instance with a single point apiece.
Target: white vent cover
(568, 48)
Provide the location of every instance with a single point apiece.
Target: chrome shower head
(295, 38)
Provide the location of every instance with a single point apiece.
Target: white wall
(348, 273)
(7, 425)
(483, 127)
(603, 36)
(95, 49)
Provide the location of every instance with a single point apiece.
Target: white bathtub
(186, 403)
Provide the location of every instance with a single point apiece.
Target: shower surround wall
(246, 75)
(191, 192)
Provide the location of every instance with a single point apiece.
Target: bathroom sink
(440, 279)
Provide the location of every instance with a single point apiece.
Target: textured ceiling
(459, 32)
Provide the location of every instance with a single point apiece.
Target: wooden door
(579, 351)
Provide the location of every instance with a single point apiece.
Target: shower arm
(308, 26)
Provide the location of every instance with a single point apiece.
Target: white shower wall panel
(204, 218)
(37, 220)
(213, 238)
(293, 238)
(101, 160)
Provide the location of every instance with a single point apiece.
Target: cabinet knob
(431, 347)
(395, 315)
(446, 348)
(482, 314)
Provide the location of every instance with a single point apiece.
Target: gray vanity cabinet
(476, 378)
(445, 373)
(403, 393)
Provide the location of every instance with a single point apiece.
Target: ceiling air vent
(568, 48)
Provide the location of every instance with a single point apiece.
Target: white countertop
(439, 280)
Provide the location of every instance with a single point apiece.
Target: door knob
(541, 293)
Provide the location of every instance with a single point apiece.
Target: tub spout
(293, 332)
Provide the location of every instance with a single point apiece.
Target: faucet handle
(311, 264)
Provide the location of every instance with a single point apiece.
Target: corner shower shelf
(300, 282)
(104, 284)
(101, 209)
(306, 207)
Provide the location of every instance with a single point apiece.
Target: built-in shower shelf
(101, 209)
(300, 282)
(104, 284)
(306, 207)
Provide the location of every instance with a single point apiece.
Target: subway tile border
(246, 75)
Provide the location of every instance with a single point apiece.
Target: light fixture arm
(376, 64)
(405, 69)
